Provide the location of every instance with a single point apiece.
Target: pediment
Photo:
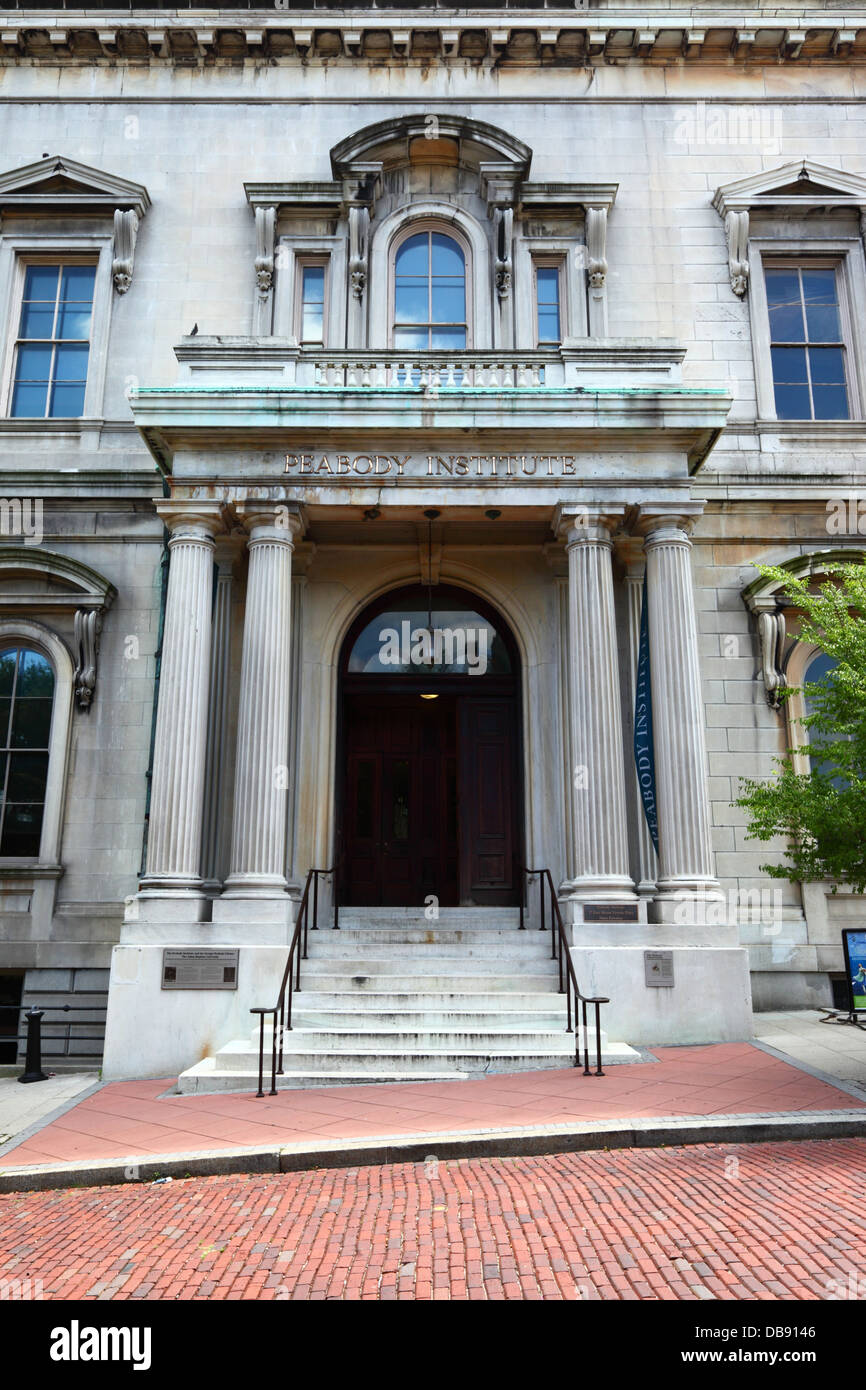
(804, 185)
(58, 182)
(29, 573)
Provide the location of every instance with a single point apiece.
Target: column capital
(271, 521)
(590, 524)
(658, 522)
(191, 520)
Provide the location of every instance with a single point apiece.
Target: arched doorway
(429, 797)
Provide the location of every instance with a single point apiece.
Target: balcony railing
(430, 371)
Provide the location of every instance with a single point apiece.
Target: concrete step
(405, 1020)
(447, 939)
(318, 981)
(523, 1052)
(373, 1069)
(479, 917)
(416, 962)
(414, 1038)
(345, 999)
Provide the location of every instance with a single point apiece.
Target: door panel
(487, 771)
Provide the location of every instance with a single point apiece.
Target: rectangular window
(53, 341)
(807, 344)
(311, 325)
(547, 305)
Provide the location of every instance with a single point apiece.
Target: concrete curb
(652, 1133)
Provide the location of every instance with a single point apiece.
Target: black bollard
(33, 1061)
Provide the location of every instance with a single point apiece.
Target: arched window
(817, 669)
(430, 293)
(26, 707)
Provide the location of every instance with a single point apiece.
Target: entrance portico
(328, 518)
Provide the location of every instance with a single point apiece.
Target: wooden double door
(429, 804)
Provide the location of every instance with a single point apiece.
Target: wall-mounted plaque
(658, 968)
(187, 968)
(610, 912)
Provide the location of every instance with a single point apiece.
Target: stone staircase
(394, 997)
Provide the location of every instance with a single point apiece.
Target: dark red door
(400, 814)
(487, 780)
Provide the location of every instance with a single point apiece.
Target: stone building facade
(311, 319)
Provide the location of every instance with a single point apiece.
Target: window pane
(70, 363)
(35, 675)
(449, 304)
(831, 402)
(783, 300)
(40, 282)
(31, 723)
(5, 708)
(447, 256)
(827, 365)
(314, 284)
(548, 284)
(312, 324)
(822, 314)
(77, 282)
(37, 320)
(411, 302)
(7, 671)
(33, 363)
(67, 402)
(28, 773)
(29, 400)
(792, 403)
(73, 321)
(412, 338)
(22, 830)
(412, 256)
(789, 364)
(450, 339)
(548, 325)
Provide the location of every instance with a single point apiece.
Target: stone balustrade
(433, 371)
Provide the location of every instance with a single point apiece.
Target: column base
(608, 901)
(254, 908)
(690, 903)
(167, 904)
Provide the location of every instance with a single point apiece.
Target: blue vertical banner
(644, 757)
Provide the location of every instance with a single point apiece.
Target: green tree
(822, 812)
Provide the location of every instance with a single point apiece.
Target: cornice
(580, 36)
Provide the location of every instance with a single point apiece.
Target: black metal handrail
(559, 951)
(291, 980)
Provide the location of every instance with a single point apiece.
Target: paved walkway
(24, 1106)
(745, 1222)
(135, 1119)
(837, 1049)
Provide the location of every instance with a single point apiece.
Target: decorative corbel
(737, 233)
(772, 631)
(503, 225)
(88, 626)
(266, 220)
(596, 246)
(125, 234)
(359, 224)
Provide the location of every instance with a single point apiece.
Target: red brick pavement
(749, 1221)
(130, 1119)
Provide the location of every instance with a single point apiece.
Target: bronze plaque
(185, 967)
(610, 912)
(658, 968)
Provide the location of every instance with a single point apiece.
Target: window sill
(28, 868)
(831, 431)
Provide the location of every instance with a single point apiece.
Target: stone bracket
(88, 626)
(503, 223)
(772, 635)
(266, 220)
(596, 269)
(359, 226)
(737, 233)
(125, 236)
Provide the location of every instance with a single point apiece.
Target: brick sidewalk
(752, 1221)
(128, 1119)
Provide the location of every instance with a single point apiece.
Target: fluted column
(598, 778)
(217, 729)
(647, 859)
(686, 861)
(177, 784)
(261, 774)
